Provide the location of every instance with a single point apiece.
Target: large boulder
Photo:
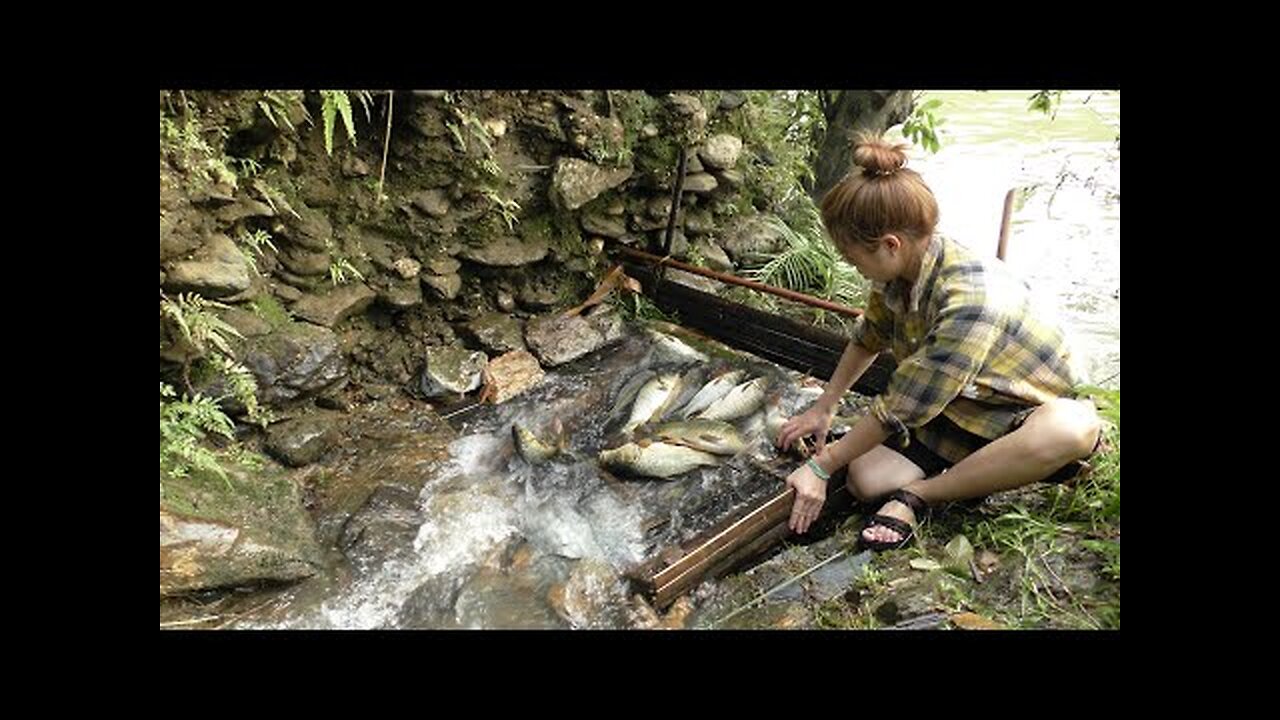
(295, 361)
(217, 537)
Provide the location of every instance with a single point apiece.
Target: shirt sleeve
(874, 327)
(951, 356)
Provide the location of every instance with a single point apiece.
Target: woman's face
(881, 262)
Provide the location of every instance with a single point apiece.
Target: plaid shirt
(968, 347)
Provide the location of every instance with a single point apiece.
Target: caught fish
(661, 460)
(713, 436)
(653, 400)
(690, 382)
(628, 392)
(712, 392)
(673, 350)
(533, 450)
(774, 419)
(739, 402)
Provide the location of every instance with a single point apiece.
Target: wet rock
(218, 269)
(243, 208)
(304, 262)
(432, 202)
(384, 526)
(679, 243)
(245, 322)
(576, 182)
(451, 370)
(311, 231)
(493, 600)
(301, 441)
(713, 254)
(497, 333)
(512, 374)
(959, 554)
(336, 305)
(556, 340)
(592, 597)
(505, 301)
(540, 293)
(690, 116)
(294, 361)
(606, 225)
(286, 293)
(731, 100)
(401, 294)
(443, 266)
(319, 191)
(658, 207)
(731, 179)
(836, 577)
(443, 286)
(700, 183)
(507, 252)
(607, 320)
(408, 268)
(907, 604)
(699, 222)
(754, 239)
(353, 166)
(721, 152)
(232, 538)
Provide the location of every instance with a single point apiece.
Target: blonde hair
(883, 198)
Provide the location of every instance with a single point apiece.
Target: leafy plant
(185, 425)
(336, 103)
(278, 104)
(922, 126)
(1046, 101)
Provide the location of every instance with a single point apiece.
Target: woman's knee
(858, 481)
(1067, 429)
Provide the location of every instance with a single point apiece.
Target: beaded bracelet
(817, 469)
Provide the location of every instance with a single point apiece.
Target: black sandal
(911, 500)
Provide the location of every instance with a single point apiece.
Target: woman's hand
(811, 493)
(815, 421)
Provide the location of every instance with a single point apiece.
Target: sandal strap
(892, 523)
(911, 500)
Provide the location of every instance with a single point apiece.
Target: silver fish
(661, 460)
(739, 402)
(713, 436)
(533, 450)
(673, 350)
(712, 392)
(653, 400)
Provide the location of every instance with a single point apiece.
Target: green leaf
(329, 110)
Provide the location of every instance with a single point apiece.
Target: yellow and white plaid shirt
(968, 345)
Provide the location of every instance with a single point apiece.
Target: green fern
(810, 264)
(185, 425)
(334, 103)
(200, 327)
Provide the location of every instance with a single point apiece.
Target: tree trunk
(848, 112)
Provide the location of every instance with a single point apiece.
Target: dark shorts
(933, 464)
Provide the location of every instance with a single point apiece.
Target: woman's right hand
(815, 421)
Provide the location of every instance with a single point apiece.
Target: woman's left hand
(811, 493)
